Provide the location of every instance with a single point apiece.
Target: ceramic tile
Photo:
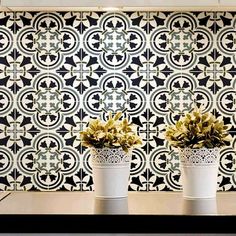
(7, 180)
(139, 172)
(60, 69)
(164, 170)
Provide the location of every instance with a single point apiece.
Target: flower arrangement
(198, 130)
(113, 133)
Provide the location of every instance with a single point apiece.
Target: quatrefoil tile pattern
(59, 69)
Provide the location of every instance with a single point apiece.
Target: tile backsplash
(59, 69)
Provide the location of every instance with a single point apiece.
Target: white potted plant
(199, 137)
(111, 145)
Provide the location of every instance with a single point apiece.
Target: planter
(111, 169)
(199, 169)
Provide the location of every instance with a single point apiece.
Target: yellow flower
(197, 130)
(113, 133)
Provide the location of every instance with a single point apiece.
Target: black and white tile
(59, 69)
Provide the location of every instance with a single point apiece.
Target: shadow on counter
(205, 206)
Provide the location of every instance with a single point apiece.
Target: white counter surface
(150, 203)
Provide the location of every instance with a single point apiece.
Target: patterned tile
(179, 95)
(48, 162)
(149, 127)
(181, 41)
(6, 41)
(7, 20)
(48, 101)
(226, 175)
(214, 21)
(18, 20)
(214, 71)
(81, 71)
(48, 40)
(148, 21)
(114, 40)
(114, 93)
(7, 180)
(164, 170)
(148, 71)
(70, 129)
(17, 130)
(86, 173)
(17, 70)
(222, 20)
(139, 173)
(6, 101)
(81, 21)
(60, 69)
(225, 40)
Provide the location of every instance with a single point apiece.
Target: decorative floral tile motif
(181, 40)
(164, 170)
(17, 70)
(7, 182)
(6, 101)
(226, 176)
(48, 162)
(86, 173)
(48, 40)
(114, 93)
(71, 128)
(139, 172)
(214, 71)
(148, 70)
(60, 69)
(148, 21)
(179, 95)
(15, 21)
(114, 40)
(81, 71)
(81, 21)
(226, 104)
(17, 131)
(48, 101)
(149, 127)
(6, 41)
(214, 21)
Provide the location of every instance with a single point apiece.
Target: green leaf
(197, 129)
(112, 133)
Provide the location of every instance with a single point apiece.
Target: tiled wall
(59, 69)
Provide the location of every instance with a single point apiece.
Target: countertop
(142, 212)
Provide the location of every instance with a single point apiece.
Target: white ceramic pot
(199, 170)
(111, 169)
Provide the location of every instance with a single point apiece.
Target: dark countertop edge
(55, 223)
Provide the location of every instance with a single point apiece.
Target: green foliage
(198, 130)
(113, 134)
